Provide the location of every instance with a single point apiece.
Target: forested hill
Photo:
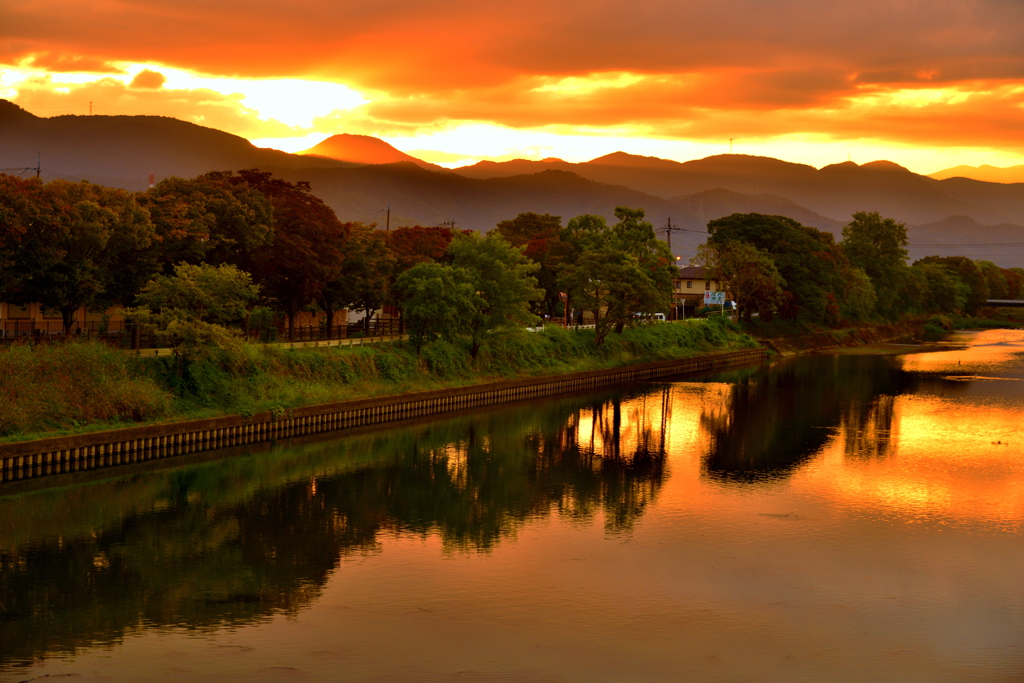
(122, 151)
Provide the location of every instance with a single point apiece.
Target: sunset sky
(925, 83)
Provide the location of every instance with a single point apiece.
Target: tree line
(773, 265)
(201, 258)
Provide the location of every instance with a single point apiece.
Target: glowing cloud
(924, 84)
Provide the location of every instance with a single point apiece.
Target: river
(828, 517)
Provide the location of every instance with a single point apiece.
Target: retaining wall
(59, 455)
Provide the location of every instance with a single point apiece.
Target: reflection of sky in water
(691, 531)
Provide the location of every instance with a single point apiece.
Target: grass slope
(50, 390)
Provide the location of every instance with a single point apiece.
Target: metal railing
(15, 330)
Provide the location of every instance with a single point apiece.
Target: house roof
(693, 273)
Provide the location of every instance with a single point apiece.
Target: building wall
(32, 319)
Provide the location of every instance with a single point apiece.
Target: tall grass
(45, 388)
(55, 386)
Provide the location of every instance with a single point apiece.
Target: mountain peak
(632, 160)
(883, 165)
(361, 149)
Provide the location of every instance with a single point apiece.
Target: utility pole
(39, 156)
(387, 224)
(668, 229)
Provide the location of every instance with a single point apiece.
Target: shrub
(393, 365)
(444, 359)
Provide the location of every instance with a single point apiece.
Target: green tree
(93, 230)
(438, 301)
(968, 272)
(812, 265)
(747, 273)
(633, 235)
(543, 241)
(28, 219)
(878, 246)
(636, 276)
(585, 231)
(503, 281)
(997, 286)
(612, 285)
(1014, 282)
(944, 291)
(858, 301)
(197, 309)
(208, 219)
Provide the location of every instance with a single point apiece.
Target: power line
(968, 244)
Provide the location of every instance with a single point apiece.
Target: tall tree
(93, 229)
(502, 279)
(27, 222)
(612, 285)
(306, 252)
(208, 219)
(543, 241)
(438, 301)
(968, 272)
(878, 246)
(812, 265)
(748, 273)
(634, 235)
(364, 281)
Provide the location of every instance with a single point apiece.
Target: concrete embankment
(45, 457)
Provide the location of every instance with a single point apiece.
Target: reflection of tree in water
(233, 540)
(868, 429)
(775, 418)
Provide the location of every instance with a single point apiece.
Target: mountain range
(358, 176)
(991, 174)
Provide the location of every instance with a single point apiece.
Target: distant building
(689, 285)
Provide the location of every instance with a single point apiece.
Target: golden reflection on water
(812, 521)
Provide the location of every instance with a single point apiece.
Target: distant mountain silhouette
(989, 174)
(363, 149)
(960, 235)
(121, 151)
(835, 191)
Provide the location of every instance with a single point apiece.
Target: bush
(393, 365)
(444, 359)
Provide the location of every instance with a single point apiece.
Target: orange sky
(926, 83)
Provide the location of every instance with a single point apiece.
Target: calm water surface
(841, 518)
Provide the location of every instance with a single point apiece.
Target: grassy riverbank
(49, 390)
(788, 336)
